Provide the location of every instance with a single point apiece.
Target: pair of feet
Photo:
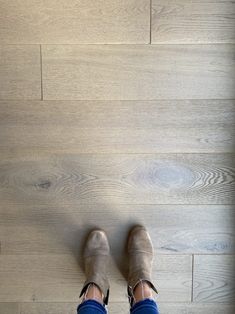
(96, 259)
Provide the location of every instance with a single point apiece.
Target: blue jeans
(143, 307)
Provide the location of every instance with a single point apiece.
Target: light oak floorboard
(138, 72)
(196, 21)
(75, 21)
(214, 278)
(119, 114)
(125, 179)
(9, 308)
(49, 308)
(213, 308)
(118, 126)
(20, 74)
(174, 229)
(54, 278)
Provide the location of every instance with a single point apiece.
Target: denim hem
(145, 306)
(90, 306)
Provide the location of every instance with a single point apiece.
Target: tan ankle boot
(140, 253)
(96, 259)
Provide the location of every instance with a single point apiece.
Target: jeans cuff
(143, 304)
(91, 305)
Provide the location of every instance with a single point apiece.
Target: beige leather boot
(140, 253)
(96, 259)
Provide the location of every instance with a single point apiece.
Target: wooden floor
(113, 113)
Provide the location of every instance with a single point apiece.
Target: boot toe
(97, 244)
(139, 240)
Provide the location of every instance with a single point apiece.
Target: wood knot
(45, 185)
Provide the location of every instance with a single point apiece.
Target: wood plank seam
(192, 277)
(214, 278)
(150, 24)
(41, 72)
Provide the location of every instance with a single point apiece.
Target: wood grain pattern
(196, 21)
(119, 114)
(193, 308)
(76, 21)
(138, 72)
(49, 308)
(127, 179)
(119, 307)
(55, 228)
(214, 278)
(58, 278)
(100, 129)
(9, 308)
(118, 126)
(20, 75)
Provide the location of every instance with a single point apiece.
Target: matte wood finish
(194, 308)
(118, 126)
(20, 74)
(119, 114)
(114, 113)
(130, 72)
(58, 278)
(214, 278)
(126, 179)
(195, 21)
(36, 229)
(49, 308)
(9, 308)
(74, 21)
